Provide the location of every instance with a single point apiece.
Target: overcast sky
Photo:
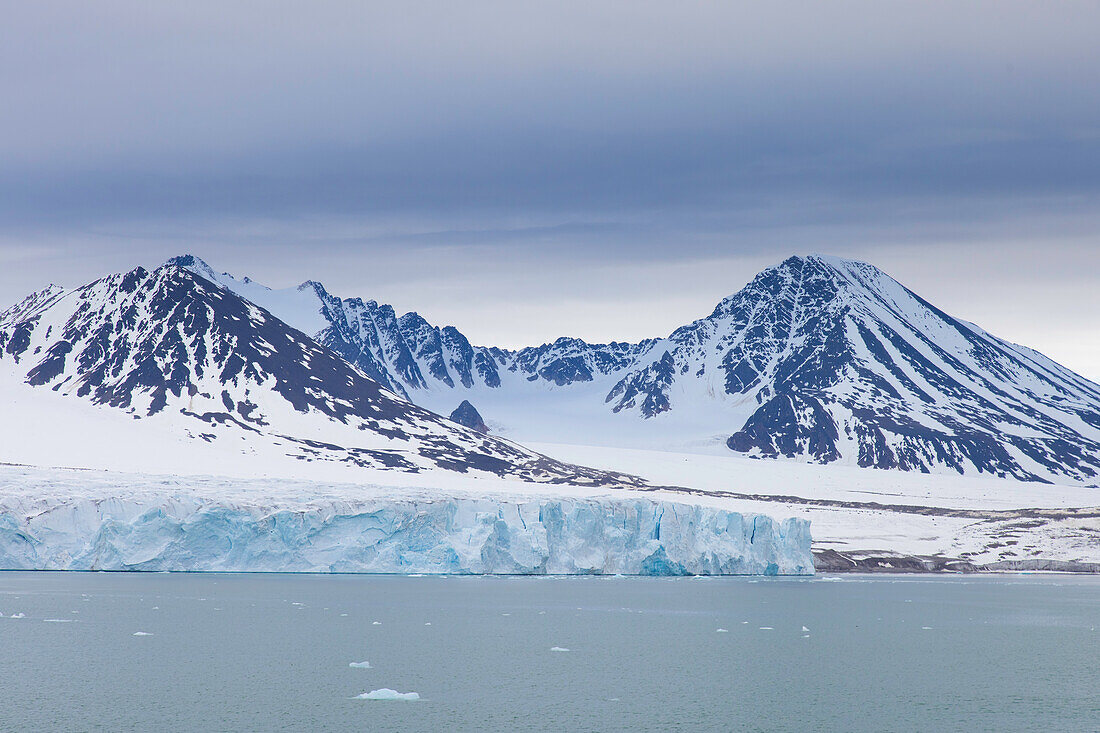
(525, 171)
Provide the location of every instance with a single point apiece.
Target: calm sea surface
(271, 652)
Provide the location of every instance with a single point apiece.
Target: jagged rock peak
(466, 414)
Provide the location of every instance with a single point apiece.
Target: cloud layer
(635, 157)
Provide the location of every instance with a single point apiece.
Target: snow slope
(818, 358)
(201, 363)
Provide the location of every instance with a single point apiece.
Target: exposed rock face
(817, 358)
(174, 345)
(466, 414)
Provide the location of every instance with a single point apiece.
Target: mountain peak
(194, 264)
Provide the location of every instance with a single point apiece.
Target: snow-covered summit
(818, 358)
(173, 347)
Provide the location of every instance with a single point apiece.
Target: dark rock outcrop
(466, 414)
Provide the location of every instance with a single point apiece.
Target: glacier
(599, 535)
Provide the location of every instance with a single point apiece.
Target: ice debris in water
(387, 694)
(142, 633)
(360, 665)
(558, 649)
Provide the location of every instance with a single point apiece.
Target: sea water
(242, 652)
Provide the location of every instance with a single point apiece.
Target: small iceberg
(558, 649)
(360, 665)
(387, 694)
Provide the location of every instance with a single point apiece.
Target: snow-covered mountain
(168, 346)
(818, 359)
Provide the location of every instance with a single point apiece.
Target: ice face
(462, 536)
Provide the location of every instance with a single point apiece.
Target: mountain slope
(817, 359)
(169, 345)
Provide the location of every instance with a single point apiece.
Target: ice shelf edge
(444, 536)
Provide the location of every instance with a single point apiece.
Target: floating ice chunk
(722, 631)
(387, 694)
(558, 649)
(142, 633)
(805, 630)
(360, 665)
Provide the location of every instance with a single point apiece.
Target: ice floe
(387, 694)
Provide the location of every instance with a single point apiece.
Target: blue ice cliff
(475, 535)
